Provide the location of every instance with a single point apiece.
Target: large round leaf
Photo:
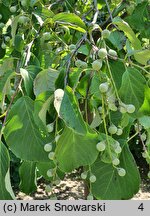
(45, 81)
(70, 112)
(22, 134)
(5, 187)
(28, 182)
(132, 88)
(74, 150)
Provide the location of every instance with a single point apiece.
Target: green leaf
(41, 106)
(141, 13)
(45, 81)
(18, 43)
(7, 65)
(94, 87)
(132, 88)
(5, 188)
(43, 167)
(4, 10)
(71, 20)
(117, 70)
(5, 86)
(74, 150)
(6, 2)
(21, 133)
(27, 82)
(27, 172)
(28, 76)
(142, 56)
(117, 39)
(109, 185)
(74, 76)
(124, 26)
(145, 121)
(14, 26)
(70, 113)
(145, 108)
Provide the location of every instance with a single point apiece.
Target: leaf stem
(105, 126)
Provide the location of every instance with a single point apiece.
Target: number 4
(141, 207)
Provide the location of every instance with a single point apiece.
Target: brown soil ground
(71, 188)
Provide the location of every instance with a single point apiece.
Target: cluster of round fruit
(5, 42)
(48, 148)
(1, 23)
(115, 130)
(86, 174)
(80, 64)
(13, 8)
(115, 151)
(123, 108)
(102, 54)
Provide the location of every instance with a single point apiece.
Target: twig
(79, 43)
(96, 12)
(114, 13)
(110, 14)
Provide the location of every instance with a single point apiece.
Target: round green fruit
(3, 45)
(57, 181)
(7, 38)
(48, 188)
(112, 53)
(47, 36)
(116, 144)
(100, 109)
(143, 136)
(84, 175)
(57, 138)
(121, 172)
(72, 47)
(101, 146)
(92, 178)
(13, 9)
(48, 147)
(105, 33)
(90, 197)
(123, 109)
(2, 25)
(130, 108)
(50, 127)
(118, 150)
(148, 174)
(24, 3)
(112, 129)
(78, 63)
(103, 87)
(83, 65)
(22, 19)
(102, 53)
(1, 16)
(50, 173)
(51, 155)
(97, 64)
(115, 161)
(119, 131)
